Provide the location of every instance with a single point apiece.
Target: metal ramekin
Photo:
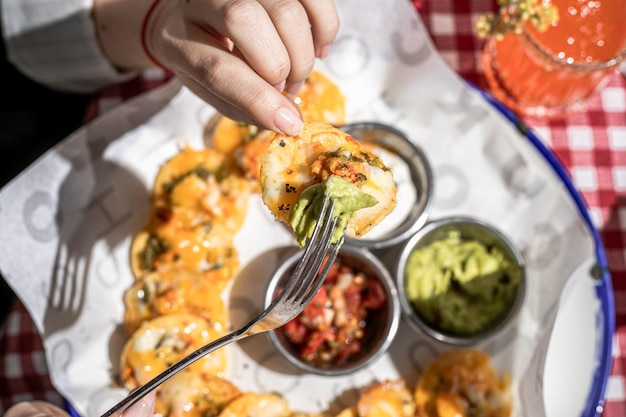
(399, 144)
(469, 228)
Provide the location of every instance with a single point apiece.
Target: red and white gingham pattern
(591, 145)
(23, 370)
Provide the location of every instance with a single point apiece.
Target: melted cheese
(175, 291)
(463, 383)
(163, 341)
(189, 394)
(386, 399)
(319, 100)
(252, 404)
(292, 164)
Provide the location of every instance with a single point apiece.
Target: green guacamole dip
(348, 199)
(460, 286)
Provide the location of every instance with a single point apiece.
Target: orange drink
(552, 73)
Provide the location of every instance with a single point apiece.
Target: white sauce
(406, 196)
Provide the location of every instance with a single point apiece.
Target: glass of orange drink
(552, 73)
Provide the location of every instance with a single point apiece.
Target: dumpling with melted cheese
(159, 343)
(462, 382)
(326, 160)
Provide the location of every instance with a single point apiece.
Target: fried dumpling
(322, 152)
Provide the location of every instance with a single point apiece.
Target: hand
(239, 56)
(35, 409)
(231, 53)
(144, 408)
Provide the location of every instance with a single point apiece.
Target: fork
(307, 278)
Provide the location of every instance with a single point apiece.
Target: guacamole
(348, 199)
(460, 286)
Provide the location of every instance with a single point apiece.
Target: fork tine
(313, 274)
(310, 249)
(312, 270)
(316, 278)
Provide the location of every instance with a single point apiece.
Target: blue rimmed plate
(574, 379)
(578, 361)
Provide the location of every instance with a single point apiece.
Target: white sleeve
(54, 42)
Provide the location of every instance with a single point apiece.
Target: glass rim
(619, 57)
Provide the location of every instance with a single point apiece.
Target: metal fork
(304, 283)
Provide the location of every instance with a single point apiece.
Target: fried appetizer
(190, 394)
(163, 341)
(198, 182)
(253, 404)
(389, 398)
(386, 399)
(299, 414)
(463, 383)
(174, 291)
(189, 165)
(171, 240)
(243, 144)
(296, 173)
(319, 100)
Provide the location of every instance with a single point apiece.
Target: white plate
(99, 179)
(578, 360)
(584, 320)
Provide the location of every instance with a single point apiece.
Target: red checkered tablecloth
(591, 146)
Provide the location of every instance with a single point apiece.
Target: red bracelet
(144, 30)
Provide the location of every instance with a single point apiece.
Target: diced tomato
(315, 340)
(316, 307)
(295, 331)
(323, 342)
(170, 294)
(375, 296)
(347, 350)
(354, 304)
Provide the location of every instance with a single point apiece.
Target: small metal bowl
(468, 229)
(380, 326)
(413, 177)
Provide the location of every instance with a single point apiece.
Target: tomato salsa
(333, 327)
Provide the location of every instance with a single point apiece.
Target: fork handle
(143, 390)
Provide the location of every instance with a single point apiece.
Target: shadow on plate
(246, 303)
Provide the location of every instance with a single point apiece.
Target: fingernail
(288, 122)
(323, 52)
(293, 89)
(280, 87)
